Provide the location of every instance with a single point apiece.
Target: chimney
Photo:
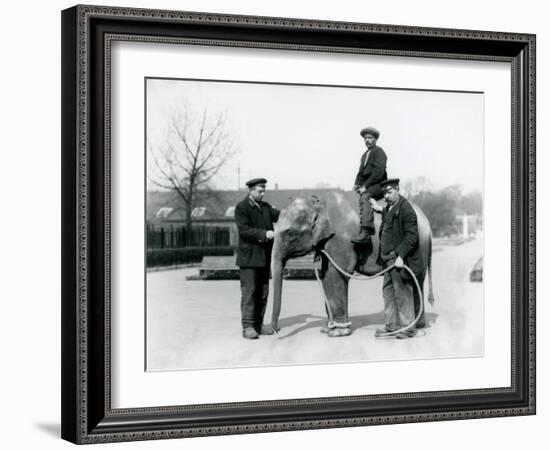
(276, 186)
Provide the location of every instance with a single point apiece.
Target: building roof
(219, 205)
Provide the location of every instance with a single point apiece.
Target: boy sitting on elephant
(372, 171)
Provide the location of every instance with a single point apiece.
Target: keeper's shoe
(250, 333)
(406, 334)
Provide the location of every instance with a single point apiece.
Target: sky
(300, 136)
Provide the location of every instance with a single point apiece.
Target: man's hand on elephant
(269, 234)
(375, 206)
(399, 262)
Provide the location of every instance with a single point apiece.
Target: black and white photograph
(299, 224)
(275, 220)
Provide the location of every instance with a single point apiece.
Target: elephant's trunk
(277, 275)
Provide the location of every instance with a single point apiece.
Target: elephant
(328, 223)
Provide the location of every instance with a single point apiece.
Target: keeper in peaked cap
(389, 183)
(399, 246)
(254, 219)
(255, 182)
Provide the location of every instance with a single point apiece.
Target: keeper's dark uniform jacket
(253, 220)
(373, 172)
(399, 234)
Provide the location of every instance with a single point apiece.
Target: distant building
(218, 207)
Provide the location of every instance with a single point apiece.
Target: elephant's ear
(321, 227)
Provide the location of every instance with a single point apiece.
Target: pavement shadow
(296, 320)
(367, 320)
(304, 321)
(309, 321)
(431, 318)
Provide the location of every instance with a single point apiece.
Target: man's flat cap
(372, 131)
(255, 181)
(389, 183)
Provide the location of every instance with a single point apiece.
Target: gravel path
(196, 324)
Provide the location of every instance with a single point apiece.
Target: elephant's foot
(336, 329)
(337, 332)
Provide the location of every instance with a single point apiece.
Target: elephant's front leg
(336, 289)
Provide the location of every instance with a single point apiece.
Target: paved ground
(196, 324)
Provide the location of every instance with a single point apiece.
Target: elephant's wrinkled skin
(328, 223)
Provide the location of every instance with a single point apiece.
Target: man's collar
(395, 207)
(253, 202)
(368, 150)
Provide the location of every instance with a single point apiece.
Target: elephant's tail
(431, 297)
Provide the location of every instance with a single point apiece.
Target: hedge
(171, 256)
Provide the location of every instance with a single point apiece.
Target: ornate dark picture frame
(87, 34)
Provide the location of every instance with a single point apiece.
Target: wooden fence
(177, 236)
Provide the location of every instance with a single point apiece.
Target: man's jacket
(399, 234)
(372, 172)
(253, 220)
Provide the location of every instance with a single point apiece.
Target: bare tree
(197, 147)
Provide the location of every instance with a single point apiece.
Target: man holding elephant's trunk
(254, 219)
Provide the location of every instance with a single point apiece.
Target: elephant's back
(424, 234)
(424, 228)
(342, 214)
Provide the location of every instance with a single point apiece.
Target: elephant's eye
(291, 235)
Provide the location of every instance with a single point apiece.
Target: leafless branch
(197, 148)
